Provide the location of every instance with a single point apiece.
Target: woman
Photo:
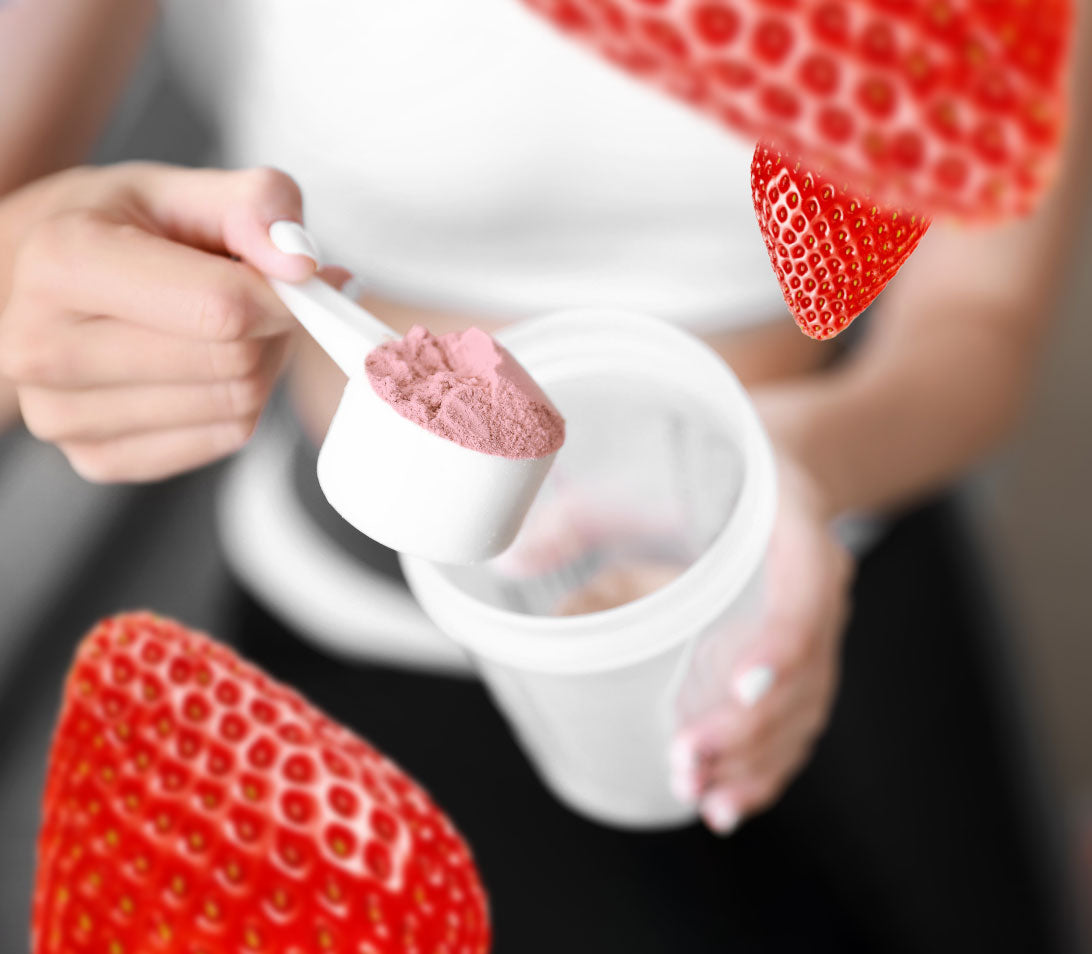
(474, 169)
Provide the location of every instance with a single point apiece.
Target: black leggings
(911, 829)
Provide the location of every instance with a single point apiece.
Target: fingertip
(753, 684)
(684, 772)
(681, 756)
(684, 787)
(719, 812)
(299, 256)
(283, 249)
(292, 238)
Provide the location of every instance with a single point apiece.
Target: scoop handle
(344, 330)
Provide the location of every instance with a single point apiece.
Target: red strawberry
(194, 806)
(832, 251)
(944, 105)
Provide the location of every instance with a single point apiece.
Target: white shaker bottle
(658, 428)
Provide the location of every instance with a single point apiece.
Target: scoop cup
(400, 484)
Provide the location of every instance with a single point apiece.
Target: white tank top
(461, 154)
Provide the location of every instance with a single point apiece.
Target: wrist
(804, 454)
(798, 481)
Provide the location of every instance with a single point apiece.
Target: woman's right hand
(136, 343)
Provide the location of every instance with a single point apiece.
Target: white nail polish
(681, 757)
(683, 787)
(754, 684)
(721, 817)
(293, 239)
(353, 288)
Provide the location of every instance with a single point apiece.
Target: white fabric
(461, 154)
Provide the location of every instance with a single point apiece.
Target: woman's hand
(136, 343)
(737, 758)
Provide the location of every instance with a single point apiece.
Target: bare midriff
(760, 353)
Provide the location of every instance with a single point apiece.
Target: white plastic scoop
(400, 484)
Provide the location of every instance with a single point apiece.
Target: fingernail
(681, 757)
(754, 684)
(684, 787)
(720, 815)
(293, 239)
(352, 288)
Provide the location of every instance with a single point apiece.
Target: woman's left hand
(736, 759)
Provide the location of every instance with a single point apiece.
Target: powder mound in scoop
(464, 386)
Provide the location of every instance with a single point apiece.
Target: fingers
(744, 762)
(737, 758)
(797, 642)
(740, 739)
(732, 797)
(98, 353)
(145, 457)
(140, 330)
(797, 713)
(229, 212)
(106, 413)
(88, 264)
(783, 670)
(731, 728)
(731, 738)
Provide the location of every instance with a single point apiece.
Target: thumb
(230, 212)
(805, 606)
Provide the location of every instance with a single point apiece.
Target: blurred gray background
(1034, 509)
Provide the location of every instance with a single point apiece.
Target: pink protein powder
(467, 388)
